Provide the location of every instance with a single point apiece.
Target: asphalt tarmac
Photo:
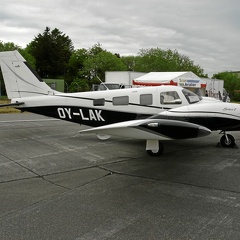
(58, 184)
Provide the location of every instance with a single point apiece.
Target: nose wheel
(227, 140)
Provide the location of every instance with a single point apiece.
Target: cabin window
(146, 99)
(99, 102)
(170, 97)
(124, 100)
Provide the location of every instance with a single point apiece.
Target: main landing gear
(154, 148)
(227, 140)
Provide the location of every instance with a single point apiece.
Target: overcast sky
(207, 31)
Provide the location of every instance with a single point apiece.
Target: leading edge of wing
(152, 129)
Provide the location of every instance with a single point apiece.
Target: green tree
(95, 50)
(79, 85)
(129, 62)
(99, 61)
(158, 60)
(76, 64)
(8, 46)
(52, 51)
(231, 83)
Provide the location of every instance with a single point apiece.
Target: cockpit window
(190, 96)
(170, 97)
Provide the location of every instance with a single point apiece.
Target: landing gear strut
(154, 148)
(227, 140)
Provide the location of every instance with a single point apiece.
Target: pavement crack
(55, 184)
(165, 181)
(94, 180)
(51, 198)
(20, 165)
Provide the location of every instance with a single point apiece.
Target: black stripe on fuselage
(87, 116)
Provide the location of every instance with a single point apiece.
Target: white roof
(166, 77)
(160, 76)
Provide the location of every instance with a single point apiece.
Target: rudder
(20, 80)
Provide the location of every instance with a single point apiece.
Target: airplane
(149, 113)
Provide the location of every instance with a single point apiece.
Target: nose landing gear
(227, 140)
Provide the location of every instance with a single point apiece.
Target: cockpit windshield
(190, 96)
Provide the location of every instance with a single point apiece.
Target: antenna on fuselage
(102, 83)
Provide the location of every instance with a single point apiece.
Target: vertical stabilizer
(20, 80)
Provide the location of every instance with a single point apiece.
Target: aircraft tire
(227, 144)
(156, 153)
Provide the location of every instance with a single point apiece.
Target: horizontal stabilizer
(12, 104)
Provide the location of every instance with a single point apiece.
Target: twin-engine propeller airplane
(150, 113)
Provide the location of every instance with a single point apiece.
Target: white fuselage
(106, 107)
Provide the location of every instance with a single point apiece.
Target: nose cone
(202, 131)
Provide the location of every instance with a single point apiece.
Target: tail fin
(20, 80)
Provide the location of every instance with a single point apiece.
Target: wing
(156, 129)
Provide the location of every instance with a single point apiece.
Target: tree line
(52, 55)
